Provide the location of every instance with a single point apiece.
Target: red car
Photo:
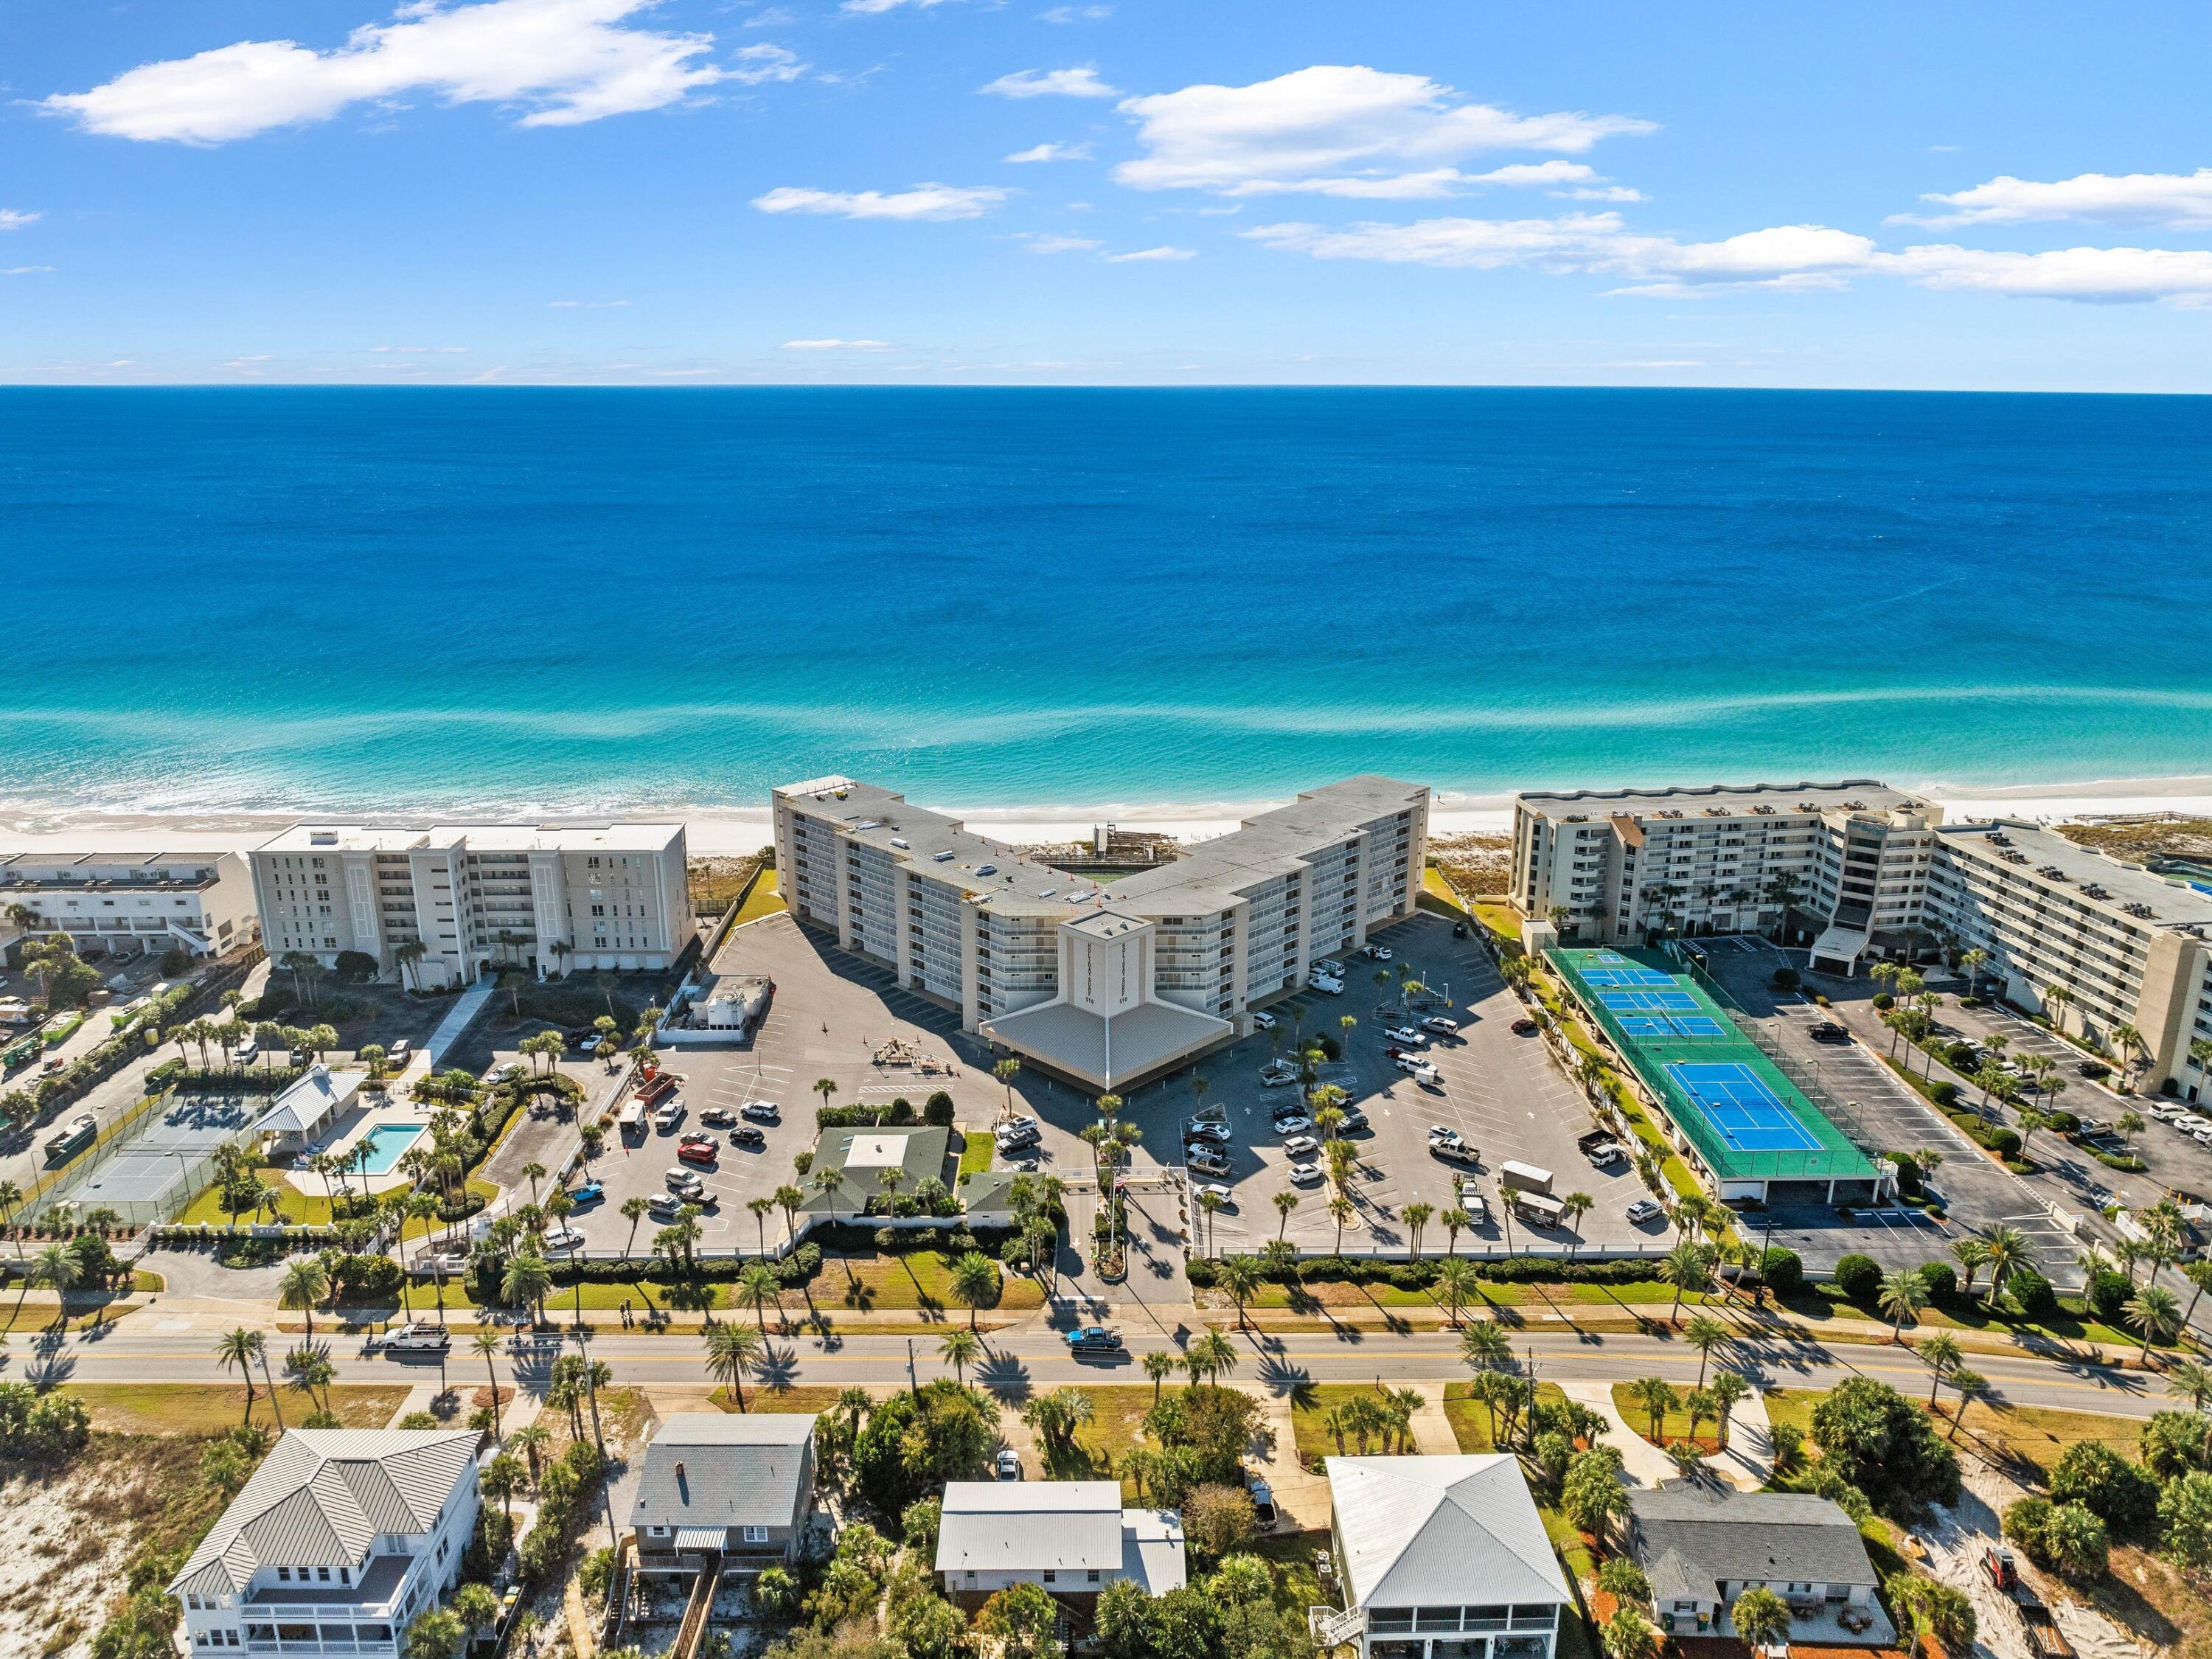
(696, 1149)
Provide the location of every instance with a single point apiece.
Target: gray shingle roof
(1440, 1531)
(1691, 1536)
(739, 1469)
(322, 1495)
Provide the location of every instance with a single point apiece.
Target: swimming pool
(386, 1143)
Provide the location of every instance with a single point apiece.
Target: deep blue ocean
(579, 598)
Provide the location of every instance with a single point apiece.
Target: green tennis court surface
(1746, 1120)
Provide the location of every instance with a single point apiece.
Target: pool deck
(357, 1126)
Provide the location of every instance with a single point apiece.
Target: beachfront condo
(1110, 980)
(131, 904)
(438, 905)
(1866, 870)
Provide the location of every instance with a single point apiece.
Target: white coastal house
(1070, 1538)
(340, 1538)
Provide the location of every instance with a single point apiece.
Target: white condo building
(550, 898)
(1872, 870)
(1106, 983)
(131, 904)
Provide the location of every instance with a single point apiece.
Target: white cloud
(930, 201)
(1333, 121)
(2157, 199)
(765, 62)
(23, 271)
(1051, 152)
(587, 305)
(419, 351)
(774, 17)
(1076, 15)
(835, 345)
(1786, 257)
(1152, 253)
(1588, 184)
(1041, 242)
(878, 7)
(2105, 275)
(15, 219)
(563, 61)
(1051, 83)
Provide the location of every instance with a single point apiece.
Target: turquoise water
(388, 1143)
(324, 598)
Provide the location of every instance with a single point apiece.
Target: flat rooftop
(1730, 799)
(1272, 844)
(2174, 903)
(942, 847)
(85, 870)
(565, 836)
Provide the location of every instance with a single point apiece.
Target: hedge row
(1421, 1275)
(937, 1111)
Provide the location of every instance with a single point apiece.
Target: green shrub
(2032, 1293)
(2005, 1142)
(2118, 1492)
(1786, 979)
(1883, 1000)
(2108, 1294)
(1784, 1271)
(2064, 1122)
(1859, 1278)
(937, 1110)
(1941, 1282)
(1943, 1091)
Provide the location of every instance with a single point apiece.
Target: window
(284, 1574)
(1091, 1577)
(1050, 1577)
(755, 1534)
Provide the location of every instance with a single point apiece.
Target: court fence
(118, 1149)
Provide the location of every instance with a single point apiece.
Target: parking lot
(1499, 1090)
(1978, 1193)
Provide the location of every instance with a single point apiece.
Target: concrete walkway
(1433, 1430)
(1642, 1462)
(1749, 1459)
(458, 1018)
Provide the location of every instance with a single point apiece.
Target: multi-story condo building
(131, 904)
(1867, 869)
(1104, 983)
(340, 1538)
(440, 904)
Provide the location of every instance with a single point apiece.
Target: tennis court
(1649, 1001)
(1745, 1121)
(1748, 1113)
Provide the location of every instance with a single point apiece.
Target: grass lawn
(1470, 1418)
(1822, 1300)
(1673, 1426)
(922, 1280)
(298, 1209)
(975, 1150)
(1298, 1586)
(1310, 1406)
(82, 1313)
(2037, 1435)
(1434, 884)
(811, 1399)
(1116, 1415)
(211, 1407)
(765, 900)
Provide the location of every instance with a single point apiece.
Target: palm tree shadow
(1291, 1382)
(1006, 1375)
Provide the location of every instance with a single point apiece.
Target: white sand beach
(724, 831)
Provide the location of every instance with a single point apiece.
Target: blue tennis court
(1667, 1002)
(1631, 976)
(1660, 1027)
(1748, 1114)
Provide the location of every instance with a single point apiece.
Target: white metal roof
(1027, 1525)
(322, 1496)
(1441, 1531)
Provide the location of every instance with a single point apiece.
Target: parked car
(1264, 1513)
(1643, 1210)
(698, 1149)
(763, 1111)
(1301, 1146)
(590, 1193)
(1524, 1026)
(1222, 1195)
(246, 1051)
(1440, 1025)
(687, 1182)
(1829, 1031)
(670, 1113)
(718, 1117)
(1606, 1152)
(1278, 1074)
(416, 1338)
(1262, 1021)
(1207, 1159)
(1093, 1339)
(1296, 1123)
(1008, 1465)
(564, 1238)
(1419, 1070)
(1218, 1132)
(1353, 1120)
(662, 1207)
(1477, 1212)
(1405, 1035)
(750, 1139)
(1306, 1174)
(500, 1073)
(1327, 987)
(398, 1053)
(1453, 1150)
(1329, 967)
(1375, 952)
(1013, 1136)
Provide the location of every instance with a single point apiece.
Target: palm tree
(487, 1344)
(1285, 1201)
(1006, 1071)
(525, 1282)
(1574, 1207)
(975, 1282)
(1903, 1296)
(1658, 1397)
(633, 1211)
(1456, 1279)
(1453, 1219)
(1159, 1365)
(532, 1440)
(761, 1284)
(236, 1350)
(1761, 1619)
(788, 1198)
(1685, 1268)
(759, 1208)
(1215, 1354)
(2030, 1119)
(959, 1349)
(2156, 1312)
(1943, 1355)
(732, 1349)
(2191, 1377)
(825, 1086)
(10, 1196)
(1972, 1253)
(2003, 1249)
(1239, 1275)
(1340, 1212)
(2056, 998)
(1416, 1216)
(1704, 1334)
(1730, 1389)
(55, 1268)
(305, 1284)
(1209, 1205)
(1974, 962)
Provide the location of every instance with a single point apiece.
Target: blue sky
(707, 191)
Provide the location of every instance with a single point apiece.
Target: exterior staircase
(1333, 1626)
(693, 1630)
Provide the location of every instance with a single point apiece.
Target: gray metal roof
(322, 1495)
(1438, 1531)
(307, 1103)
(1106, 1050)
(2174, 902)
(1692, 800)
(917, 1151)
(1693, 1535)
(1272, 844)
(1027, 1525)
(723, 1469)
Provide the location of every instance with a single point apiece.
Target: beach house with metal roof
(1440, 1557)
(337, 1540)
(735, 1488)
(1070, 1538)
(1702, 1545)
